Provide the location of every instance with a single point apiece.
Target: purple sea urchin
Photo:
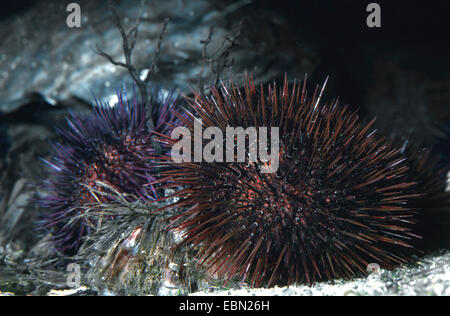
(109, 145)
(338, 201)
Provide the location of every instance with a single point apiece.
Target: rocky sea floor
(431, 277)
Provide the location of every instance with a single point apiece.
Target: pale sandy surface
(432, 278)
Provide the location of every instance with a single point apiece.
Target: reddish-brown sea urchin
(338, 202)
(110, 146)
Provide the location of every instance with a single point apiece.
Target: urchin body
(101, 151)
(338, 201)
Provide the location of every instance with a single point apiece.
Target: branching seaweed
(220, 59)
(128, 42)
(133, 254)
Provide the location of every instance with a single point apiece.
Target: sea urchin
(338, 201)
(109, 146)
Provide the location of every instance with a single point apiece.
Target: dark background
(345, 44)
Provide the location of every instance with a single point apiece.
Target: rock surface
(41, 54)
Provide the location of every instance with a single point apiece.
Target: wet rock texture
(40, 53)
(399, 73)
